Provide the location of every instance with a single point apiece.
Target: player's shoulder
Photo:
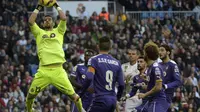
(80, 65)
(172, 62)
(126, 64)
(159, 60)
(95, 57)
(156, 64)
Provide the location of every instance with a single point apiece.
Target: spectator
(104, 15)
(69, 17)
(82, 13)
(22, 41)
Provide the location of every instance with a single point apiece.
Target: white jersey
(130, 70)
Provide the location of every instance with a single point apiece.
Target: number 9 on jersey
(109, 80)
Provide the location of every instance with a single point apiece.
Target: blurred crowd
(159, 5)
(19, 61)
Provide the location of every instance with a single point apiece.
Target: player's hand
(137, 86)
(141, 95)
(144, 86)
(123, 99)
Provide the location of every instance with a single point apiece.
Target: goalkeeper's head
(48, 22)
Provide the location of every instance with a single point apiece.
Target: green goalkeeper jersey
(50, 43)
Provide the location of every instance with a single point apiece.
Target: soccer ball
(47, 3)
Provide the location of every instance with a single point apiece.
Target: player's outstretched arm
(60, 12)
(33, 16)
(62, 27)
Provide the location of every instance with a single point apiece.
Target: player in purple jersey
(171, 72)
(105, 71)
(155, 95)
(78, 78)
(139, 83)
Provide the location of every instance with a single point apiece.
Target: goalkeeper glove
(56, 5)
(39, 7)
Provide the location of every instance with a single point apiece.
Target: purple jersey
(108, 71)
(155, 73)
(137, 80)
(79, 72)
(171, 78)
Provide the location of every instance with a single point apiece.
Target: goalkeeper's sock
(79, 105)
(29, 104)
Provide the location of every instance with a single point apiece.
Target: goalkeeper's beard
(47, 27)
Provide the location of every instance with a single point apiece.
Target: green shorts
(56, 76)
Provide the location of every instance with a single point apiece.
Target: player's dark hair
(141, 57)
(91, 47)
(167, 48)
(104, 43)
(48, 16)
(151, 50)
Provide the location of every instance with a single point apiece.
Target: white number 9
(109, 80)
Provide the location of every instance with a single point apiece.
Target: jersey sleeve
(134, 89)
(158, 74)
(176, 78)
(120, 80)
(62, 27)
(92, 63)
(35, 29)
(74, 72)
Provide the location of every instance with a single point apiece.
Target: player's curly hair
(151, 50)
(167, 48)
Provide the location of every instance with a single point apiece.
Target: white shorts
(132, 103)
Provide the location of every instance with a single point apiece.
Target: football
(47, 3)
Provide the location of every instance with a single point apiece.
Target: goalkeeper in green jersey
(49, 43)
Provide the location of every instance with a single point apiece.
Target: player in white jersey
(130, 70)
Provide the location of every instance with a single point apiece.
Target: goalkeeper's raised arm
(63, 19)
(60, 12)
(33, 16)
(35, 29)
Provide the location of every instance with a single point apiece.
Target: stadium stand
(159, 5)
(19, 62)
